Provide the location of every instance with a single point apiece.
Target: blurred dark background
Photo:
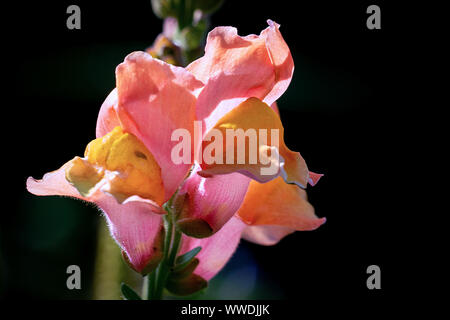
(341, 112)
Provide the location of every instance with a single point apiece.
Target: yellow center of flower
(124, 165)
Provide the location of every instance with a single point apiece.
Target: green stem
(168, 224)
(175, 246)
(146, 288)
(152, 285)
(172, 243)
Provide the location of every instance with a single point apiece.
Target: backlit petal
(265, 235)
(136, 225)
(235, 68)
(277, 203)
(216, 250)
(254, 116)
(314, 178)
(210, 202)
(119, 164)
(154, 99)
(274, 107)
(138, 231)
(54, 183)
(107, 118)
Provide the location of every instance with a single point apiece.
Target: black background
(342, 112)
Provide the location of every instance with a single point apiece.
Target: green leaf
(128, 293)
(185, 259)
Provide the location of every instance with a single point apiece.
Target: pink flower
(129, 174)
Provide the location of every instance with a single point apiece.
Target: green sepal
(128, 293)
(182, 280)
(190, 37)
(186, 285)
(184, 260)
(185, 271)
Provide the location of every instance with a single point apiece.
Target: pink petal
(53, 183)
(170, 26)
(107, 118)
(266, 235)
(135, 225)
(214, 200)
(281, 59)
(314, 178)
(235, 68)
(154, 99)
(216, 250)
(274, 107)
(137, 230)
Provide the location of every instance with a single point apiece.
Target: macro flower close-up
(189, 160)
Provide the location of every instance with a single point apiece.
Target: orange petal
(277, 203)
(266, 235)
(253, 116)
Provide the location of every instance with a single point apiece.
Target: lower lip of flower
(120, 164)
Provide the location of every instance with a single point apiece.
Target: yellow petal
(120, 164)
(245, 152)
(84, 176)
